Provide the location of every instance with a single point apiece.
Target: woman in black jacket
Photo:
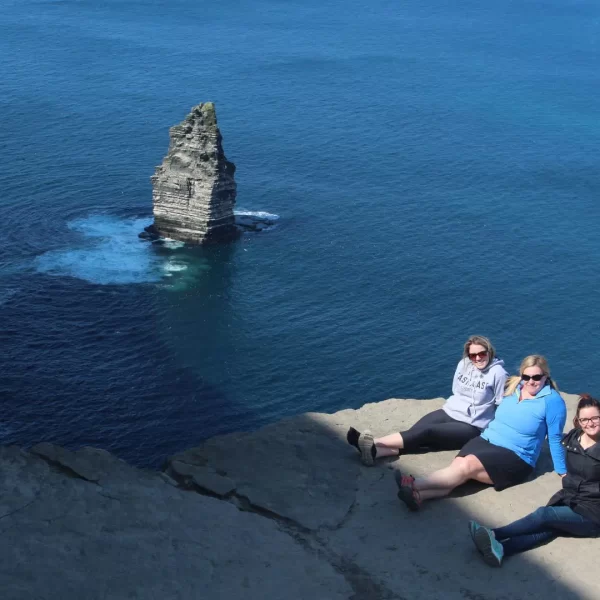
(573, 511)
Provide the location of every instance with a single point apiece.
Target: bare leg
(389, 445)
(440, 483)
(434, 493)
(461, 469)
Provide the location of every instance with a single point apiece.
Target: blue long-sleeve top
(523, 426)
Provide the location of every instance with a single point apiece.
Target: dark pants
(542, 526)
(438, 431)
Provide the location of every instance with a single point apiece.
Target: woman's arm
(499, 385)
(556, 415)
(457, 371)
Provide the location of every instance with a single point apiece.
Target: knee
(543, 514)
(467, 465)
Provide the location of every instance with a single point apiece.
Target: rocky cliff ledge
(287, 512)
(194, 188)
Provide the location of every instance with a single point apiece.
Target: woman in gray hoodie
(477, 388)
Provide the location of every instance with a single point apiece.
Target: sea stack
(194, 188)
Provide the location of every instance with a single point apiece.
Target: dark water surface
(435, 167)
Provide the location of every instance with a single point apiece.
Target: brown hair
(480, 340)
(533, 360)
(585, 401)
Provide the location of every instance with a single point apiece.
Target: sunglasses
(475, 355)
(534, 377)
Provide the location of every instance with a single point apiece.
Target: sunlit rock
(194, 189)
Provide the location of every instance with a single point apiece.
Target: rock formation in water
(194, 188)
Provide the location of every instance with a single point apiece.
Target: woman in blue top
(573, 511)
(507, 451)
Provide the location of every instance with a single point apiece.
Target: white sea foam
(110, 252)
(172, 244)
(255, 221)
(259, 214)
(174, 267)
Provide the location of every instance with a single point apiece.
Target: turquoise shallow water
(434, 167)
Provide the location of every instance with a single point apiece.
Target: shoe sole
(484, 545)
(365, 444)
(355, 444)
(398, 478)
(405, 495)
(473, 530)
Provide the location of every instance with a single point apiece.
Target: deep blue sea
(435, 167)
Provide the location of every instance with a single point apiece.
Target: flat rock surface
(294, 468)
(285, 512)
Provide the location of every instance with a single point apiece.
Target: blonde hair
(480, 340)
(533, 360)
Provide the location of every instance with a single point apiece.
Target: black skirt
(503, 466)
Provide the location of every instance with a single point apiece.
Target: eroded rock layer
(194, 188)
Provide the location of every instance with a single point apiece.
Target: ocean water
(434, 167)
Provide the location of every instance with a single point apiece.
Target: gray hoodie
(476, 393)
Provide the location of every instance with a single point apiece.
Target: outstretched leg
(389, 445)
(442, 482)
(448, 434)
(542, 526)
(435, 430)
(460, 470)
(392, 444)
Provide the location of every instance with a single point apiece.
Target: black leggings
(438, 431)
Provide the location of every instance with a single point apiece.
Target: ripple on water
(5, 431)
(6, 295)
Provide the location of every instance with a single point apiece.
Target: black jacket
(581, 484)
